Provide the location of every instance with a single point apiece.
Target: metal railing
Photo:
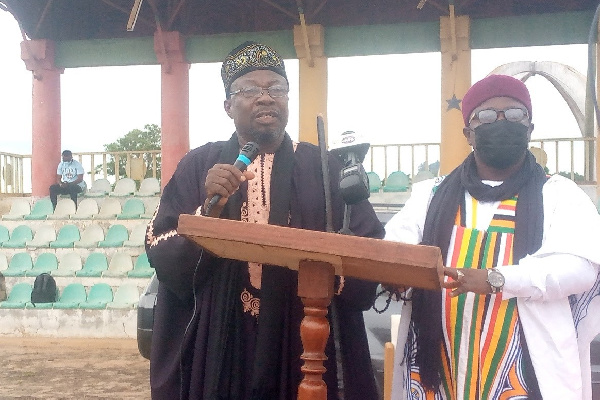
(408, 158)
(15, 177)
(572, 157)
(12, 172)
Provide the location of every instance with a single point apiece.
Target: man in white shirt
(69, 178)
(522, 262)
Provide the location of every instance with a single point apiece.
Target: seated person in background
(69, 178)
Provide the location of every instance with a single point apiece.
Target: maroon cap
(494, 86)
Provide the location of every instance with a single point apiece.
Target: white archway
(569, 82)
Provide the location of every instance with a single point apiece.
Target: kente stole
(482, 354)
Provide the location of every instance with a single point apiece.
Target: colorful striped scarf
(527, 182)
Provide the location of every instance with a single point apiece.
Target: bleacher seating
(126, 296)
(100, 188)
(132, 209)
(18, 297)
(397, 181)
(3, 262)
(41, 209)
(120, 264)
(18, 237)
(42, 237)
(87, 209)
(68, 265)
(151, 204)
(4, 234)
(124, 187)
(423, 175)
(44, 263)
(137, 236)
(64, 209)
(148, 187)
(18, 210)
(90, 237)
(115, 236)
(95, 264)
(72, 295)
(109, 209)
(66, 237)
(374, 182)
(141, 268)
(95, 252)
(19, 264)
(100, 294)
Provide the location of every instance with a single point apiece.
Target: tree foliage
(136, 140)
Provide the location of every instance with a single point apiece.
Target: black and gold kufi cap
(248, 57)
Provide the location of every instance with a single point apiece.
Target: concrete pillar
(313, 79)
(456, 80)
(38, 56)
(175, 100)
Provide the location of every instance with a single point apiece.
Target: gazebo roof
(61, 20)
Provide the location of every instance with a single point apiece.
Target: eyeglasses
(491, 115)
(255, 91)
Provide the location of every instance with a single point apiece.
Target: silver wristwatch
(495, 279)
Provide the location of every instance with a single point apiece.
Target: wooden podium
(318, 257)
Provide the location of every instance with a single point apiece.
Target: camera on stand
(354, 183)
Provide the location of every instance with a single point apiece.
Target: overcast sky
(389, 99)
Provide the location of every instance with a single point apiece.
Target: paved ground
(48, 368)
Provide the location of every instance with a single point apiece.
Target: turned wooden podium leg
(315, 287)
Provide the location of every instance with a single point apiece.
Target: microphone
(245, 158)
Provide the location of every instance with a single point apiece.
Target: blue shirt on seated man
(69, 178)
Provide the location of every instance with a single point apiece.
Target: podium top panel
(364, 258)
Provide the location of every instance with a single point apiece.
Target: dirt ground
(49, 368)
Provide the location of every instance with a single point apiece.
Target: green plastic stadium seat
(100, 294)
(18, 210)
(132, 209)
(64, 209)
(67, 236)
(100, 188)
(45, 262)
(19, 236)
(120, 264)
(397, 181)
(72, 295)
(90, 237)
(94, 265)
(41, 209)
(148, 187)
(42, 237)
(422, 175)
(374, 182)
(19, 264)
(124, 187)
(68, 265)
(141, 268)
(4, 234)
(115, 236)
(18, 297)
(126, 296)
(87, 209)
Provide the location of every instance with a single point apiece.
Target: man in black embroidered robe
(226, 329)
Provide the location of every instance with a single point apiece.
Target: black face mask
(501, 144)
